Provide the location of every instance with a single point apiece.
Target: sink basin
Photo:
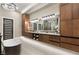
(11, 42)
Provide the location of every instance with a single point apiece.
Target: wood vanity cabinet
(70, 43)
(54, 40)
(50, 39)
(74, 41)
(29, 35)
(44, 38)
(70, 47)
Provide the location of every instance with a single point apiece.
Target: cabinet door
(76, 27)
(44, 38)
(66, 28)
(76, 11)
(66, 20)
(70, 47)
(73, 41)
(54, 38)
(66, 12)
(25, 23)
(54, 43)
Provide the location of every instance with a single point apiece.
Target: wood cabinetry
(70, 47)
(69, 20)
(66, 20)
(70, 43)
(44, 38)
(29, 35)
(50, 39)
(54, 40)
(75, 20)
(66, 12)
(69, 26)
(25, 24)
(66, 28)
(73, 41)
(76, 28)
(75, 11)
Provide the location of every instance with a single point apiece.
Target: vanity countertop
(46, 33)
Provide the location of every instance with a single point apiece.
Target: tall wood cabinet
(75, 11)
(69, 14)
(25, 24)
(75, 20)
(69, 20)
(66, 19)
(25, 19)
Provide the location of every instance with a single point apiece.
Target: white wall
(16, 19)
(47, 10)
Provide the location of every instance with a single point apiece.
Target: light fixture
(9, 6)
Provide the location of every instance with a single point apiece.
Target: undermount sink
(11, 42)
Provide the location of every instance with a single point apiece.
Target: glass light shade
(9, 6)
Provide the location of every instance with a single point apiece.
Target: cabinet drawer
(54, 43)
(70, 40)
(54, 38)
(71, 47)
(29, 35)
(44, 38)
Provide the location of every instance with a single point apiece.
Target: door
(7, 28)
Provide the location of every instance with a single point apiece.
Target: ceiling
(29, 7)
(21, 6)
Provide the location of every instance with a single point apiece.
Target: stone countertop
(46, 33)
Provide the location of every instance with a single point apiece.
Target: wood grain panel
(66, 12)
(76, 28)
(44, 38)
(66, 28)
(71, 47)
(70, 40)
(25, 18)
(54, 38)
(54, 43)
(75, 10)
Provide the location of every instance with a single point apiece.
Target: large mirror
(48, 25)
